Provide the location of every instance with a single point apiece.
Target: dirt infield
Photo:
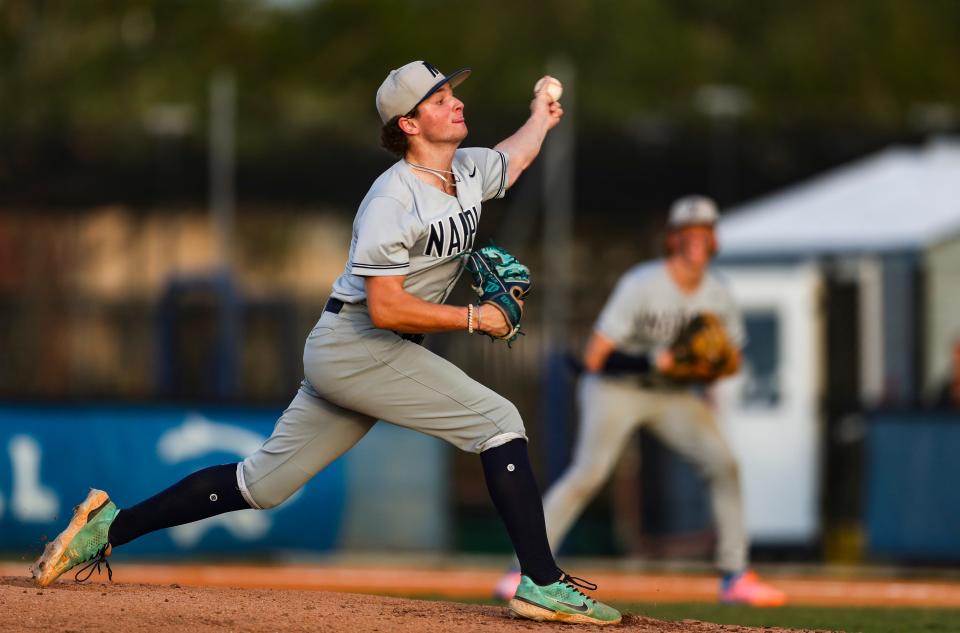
(135, 608)
(466, 582)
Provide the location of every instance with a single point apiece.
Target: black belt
(334, 305)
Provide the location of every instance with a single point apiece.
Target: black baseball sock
(515, 494)
(203, 494)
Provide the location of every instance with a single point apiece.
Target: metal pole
(558, 176)
(223, 97)
(223, 100)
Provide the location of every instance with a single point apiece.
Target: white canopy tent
(860, 263)
(902, 198)
(890, 223)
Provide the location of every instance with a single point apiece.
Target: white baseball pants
(610, 410)
(357, 374)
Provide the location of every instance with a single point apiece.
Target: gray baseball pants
(357, 374)
(610, 410)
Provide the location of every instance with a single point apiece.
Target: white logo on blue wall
(30, 501)
(199, 436)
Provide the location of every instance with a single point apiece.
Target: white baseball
(552, 86)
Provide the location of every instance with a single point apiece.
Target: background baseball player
(363, 361)
(634, 376)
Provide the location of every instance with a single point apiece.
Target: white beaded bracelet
(470, 318)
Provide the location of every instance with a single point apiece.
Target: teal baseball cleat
(84, 541)
(561, 601)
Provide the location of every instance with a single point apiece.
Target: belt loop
(416, 339)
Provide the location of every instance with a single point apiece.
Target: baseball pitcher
(669, 327)
(363, 362)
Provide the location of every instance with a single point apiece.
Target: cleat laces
(93, 565)
(578, 583)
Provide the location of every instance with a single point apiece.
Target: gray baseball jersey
(404, 226)
(647, 309)
(355, 373)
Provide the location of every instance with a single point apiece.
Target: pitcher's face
(441, 117)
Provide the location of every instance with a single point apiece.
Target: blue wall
(913, 500)
(51, 455)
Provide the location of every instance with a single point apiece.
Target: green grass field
(848, 619)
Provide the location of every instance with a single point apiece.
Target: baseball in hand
(552, 86)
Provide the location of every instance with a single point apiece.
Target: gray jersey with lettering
(647, 309)
(405, 226)
(356, 373)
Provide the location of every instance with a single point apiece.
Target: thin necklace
(439, 173)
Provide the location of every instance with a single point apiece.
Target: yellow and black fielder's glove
(702, 351)
(502, 281)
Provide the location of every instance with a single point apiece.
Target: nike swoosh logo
(474, 172)
(582, 607)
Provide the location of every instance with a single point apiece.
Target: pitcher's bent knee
(508, 428)
(262, 494)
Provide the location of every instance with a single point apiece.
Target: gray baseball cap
(406, 87)
(693, 210)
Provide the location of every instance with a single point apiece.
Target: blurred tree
(81, 78)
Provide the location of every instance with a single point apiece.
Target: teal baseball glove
(502, 281)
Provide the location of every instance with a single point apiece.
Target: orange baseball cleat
(747, 588)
